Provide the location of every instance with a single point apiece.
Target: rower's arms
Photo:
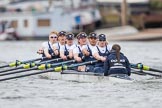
(47, 54)
(40, 51)
(56, 51)
(70, 53)
(98, 57)
(85, 52)
(62, 55)
(76, 55)
(77, 58)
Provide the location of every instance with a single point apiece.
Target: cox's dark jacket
(111, 66)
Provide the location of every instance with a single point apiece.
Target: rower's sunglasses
(53, 37)
(102, 40)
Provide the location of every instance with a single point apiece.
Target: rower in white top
(88, 49)
(103, 49)
(77, 52)
(47, 47)
(66, 51)
(61, 42)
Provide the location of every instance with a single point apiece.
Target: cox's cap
(102, 37)
(82, 35)
(62, 33)
(70, 36)
(92, 35)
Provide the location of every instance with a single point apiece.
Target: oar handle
(65, 67)
(84, 63)
(48, 61)
(37, 59)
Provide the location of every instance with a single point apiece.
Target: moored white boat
(70, 75)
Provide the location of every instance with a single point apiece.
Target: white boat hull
(85, 78)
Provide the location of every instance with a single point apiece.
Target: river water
(33, 92)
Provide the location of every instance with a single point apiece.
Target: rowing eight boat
(71, 75)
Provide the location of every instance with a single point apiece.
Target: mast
(124, 13)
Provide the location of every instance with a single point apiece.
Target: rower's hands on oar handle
(68, 57)
(40, 51)
(78, 59)
(64, 57)
(82, 68)
(102, 58)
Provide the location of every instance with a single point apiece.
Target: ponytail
(117, 49)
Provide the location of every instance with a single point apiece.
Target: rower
(46, 49)
(88, 49)
(77, 52)
(66, 51)
(116, 62)
(103, 49)
(61, 42)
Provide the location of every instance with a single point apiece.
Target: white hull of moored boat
(85, 78)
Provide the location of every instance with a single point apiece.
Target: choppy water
(32, 92)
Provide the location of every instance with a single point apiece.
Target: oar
(80, 64)
(42, 67)
(137, 71)
(146, 73)
(20, 76)
(65, 67)
(50, 70)
(144, 67)
(17, 62)
(30, 65)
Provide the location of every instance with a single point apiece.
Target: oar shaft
(45, 70)
(32, 60)
(30, 65)
(4, 66)
(155, 75)
(48, 61)
(20, 76)
(9, 73)
(24, 70)
(10, 69)
(84, 63)
(65, 62)
(155, 70)
(17, 63)
(47, 66)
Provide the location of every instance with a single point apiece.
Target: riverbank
(129, 33)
